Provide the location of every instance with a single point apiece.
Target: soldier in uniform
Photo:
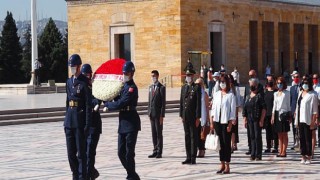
(129, 120)
(190, 113)
(78, 118)
(94, 130)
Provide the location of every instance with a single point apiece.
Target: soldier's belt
(73, 103)
(129, 108)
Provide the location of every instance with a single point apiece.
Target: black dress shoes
(248, 153)
(187, 161)
(152, 155)
(193, 161)
(158, 156)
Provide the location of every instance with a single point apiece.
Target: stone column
(260, 69)
(318, 47)
(276, 49)
(291, 50)
(306, 48)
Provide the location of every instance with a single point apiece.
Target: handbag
(284, 116)
(204, 132)
(212, 142)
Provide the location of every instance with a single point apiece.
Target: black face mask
(270, 84)
(253, 88)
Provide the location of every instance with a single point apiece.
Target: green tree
(26, 55)
(52, 53)
(11, 52)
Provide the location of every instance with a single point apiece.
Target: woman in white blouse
(281, 115)
(223, 115)
(306, 116)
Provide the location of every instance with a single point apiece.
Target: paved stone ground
(38, 151)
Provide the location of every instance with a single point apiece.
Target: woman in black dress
(254, 112)
(271, 135)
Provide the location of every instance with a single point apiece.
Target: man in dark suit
(78, 118)
(129, 120)
(190, 113)
(156, 112)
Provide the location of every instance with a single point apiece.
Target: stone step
(57, 112)
(51, 109)
(61, 118)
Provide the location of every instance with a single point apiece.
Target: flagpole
(34, 49)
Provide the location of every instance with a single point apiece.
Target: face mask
(251, 76)
(188, 79)
(223, 85)
(210, 69)
(270, 84)
(125, 78)
(201, 71)
(315, 81)
(253, 88)
(280, 86)
(73, 70)
(305, 87)
(154, 79)
(296, 80)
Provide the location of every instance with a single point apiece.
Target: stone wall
(165, 30)
(235, 15)
(156, 33)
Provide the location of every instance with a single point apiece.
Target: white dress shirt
(308, 107)
(281, 102)
(226, 105)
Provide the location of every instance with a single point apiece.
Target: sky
(21, 9)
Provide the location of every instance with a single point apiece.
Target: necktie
(154, 90)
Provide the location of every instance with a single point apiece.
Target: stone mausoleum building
(158, 34)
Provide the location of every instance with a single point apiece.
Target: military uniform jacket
(78, 90)
(126, 102)
(96, 125)
(157, 100)
(190, 102)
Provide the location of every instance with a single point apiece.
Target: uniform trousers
(126, 153)
(225, 141)
(191, 138)
(76, 148)
(305, 139)
(92, 143)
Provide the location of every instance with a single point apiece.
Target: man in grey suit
(156, 112)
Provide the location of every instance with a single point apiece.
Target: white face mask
(305, 87)
(73, 70)
(210, 69)
(154, 79)
(223, 85)
(188, 79)
(125, 78)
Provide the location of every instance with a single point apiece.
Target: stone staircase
(45, 89)
(42, 115)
